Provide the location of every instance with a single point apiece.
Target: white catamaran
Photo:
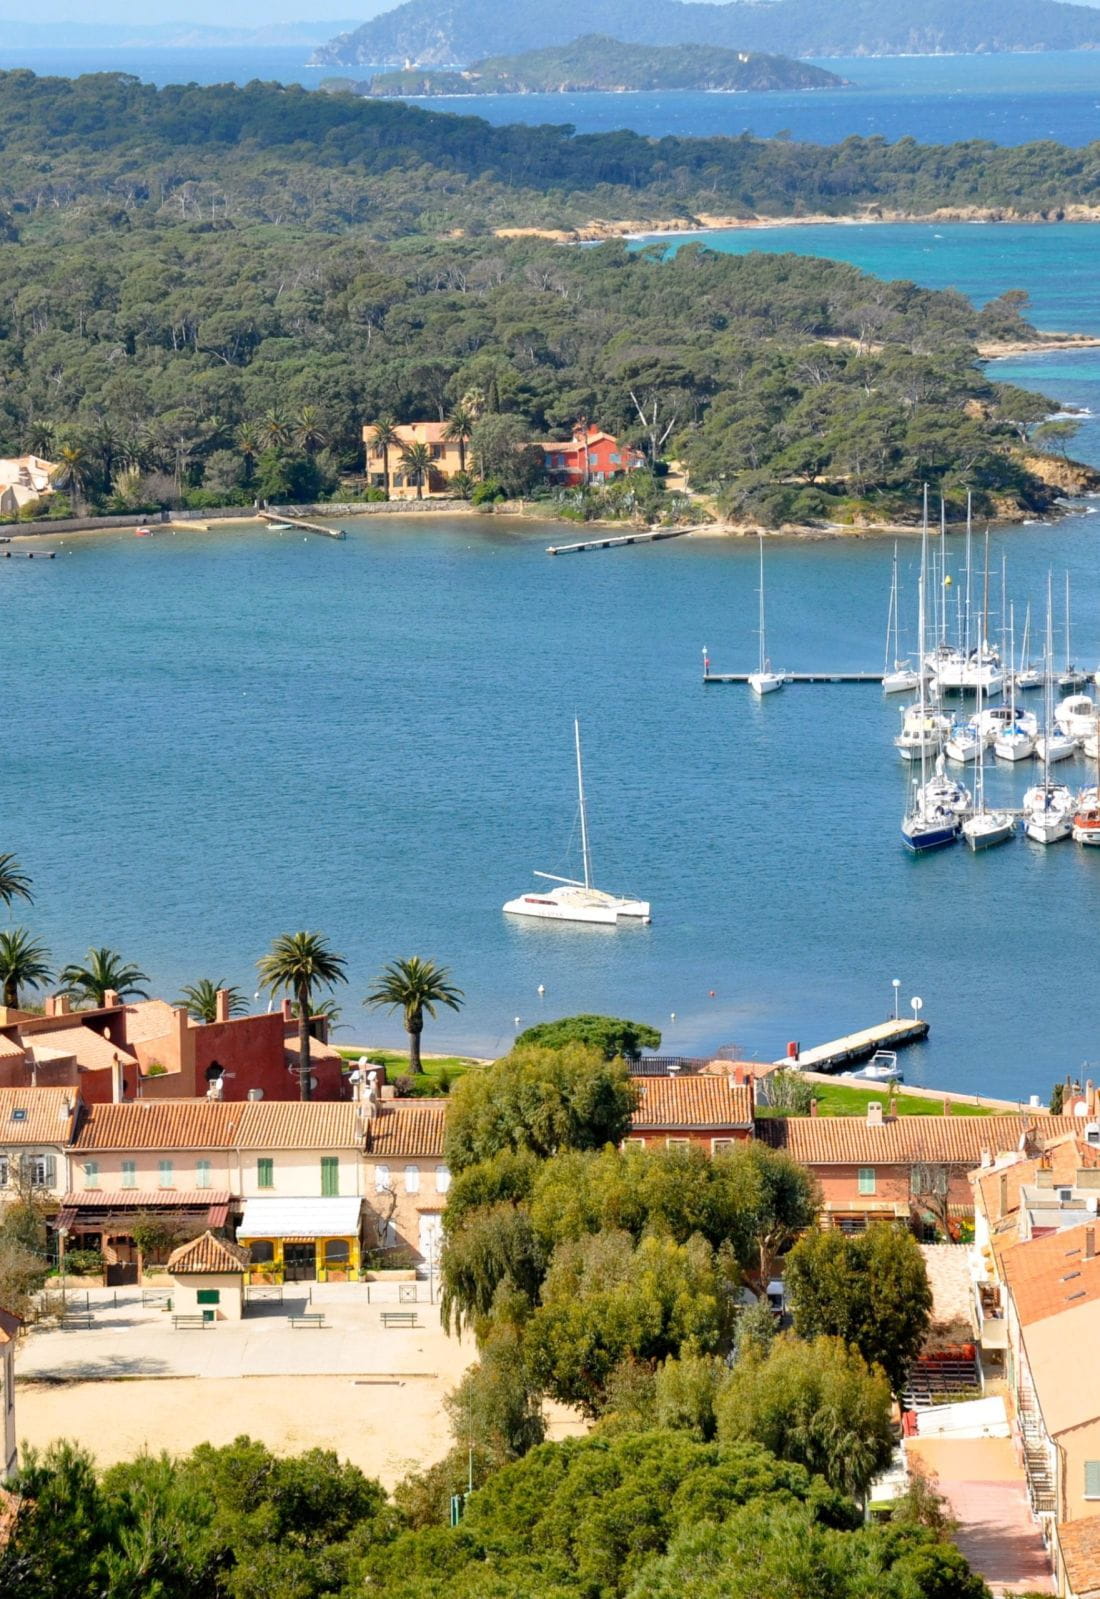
(574, 901)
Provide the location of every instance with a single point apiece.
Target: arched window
(337, 1252)
(263, 1251)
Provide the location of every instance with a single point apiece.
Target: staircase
(1040, 1481)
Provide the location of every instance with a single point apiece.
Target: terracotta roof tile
(953, 1140)
(147, 1019)
(208, 1254)
(142, 1199)
(222, 1124)
(1079, 1542)
(1063, 1158)
(90, 1048)
(691, 1102)
(408, 1127)
(10, 1049)
(36, 1116)
(1050, 1274)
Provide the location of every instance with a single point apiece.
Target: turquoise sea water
(1010, 99)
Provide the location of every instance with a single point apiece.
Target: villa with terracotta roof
(881, 1167)
(446, 459)
(36, 1129)
(590, 456)
(24, 479)
(713, 1111)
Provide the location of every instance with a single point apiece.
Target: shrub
(83, 1263)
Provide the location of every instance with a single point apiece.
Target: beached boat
(574, 901)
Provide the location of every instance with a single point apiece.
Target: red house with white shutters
(590, 456)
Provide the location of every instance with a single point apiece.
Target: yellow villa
(445, 455)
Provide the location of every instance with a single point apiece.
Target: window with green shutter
(330, 1176)
(866, 1179)
(129, 1174)
(1092, 1479)
(91, 1174)
(209, 1296)
(167, 1174)
(203, 1173)
(265, 1172)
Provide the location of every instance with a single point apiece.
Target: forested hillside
(289, 156)
(443, 32)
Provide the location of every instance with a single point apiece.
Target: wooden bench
(155, 1296)
(79, 1321)
(308, 1318)
(192, 1321)
(400, 1318)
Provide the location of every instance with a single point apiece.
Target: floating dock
(859, 1046)
(294, 520)
(619, 541)
(798, 677)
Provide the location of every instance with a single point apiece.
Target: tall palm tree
(302, 963)
(201, 999)
(23, 964)
(386, 438)
(14, 882)
(249, 445)
(308, 432)
(417, 461)
(105, 970)
(73, 470)
(415, 986)
(459, 427)
(275, 431)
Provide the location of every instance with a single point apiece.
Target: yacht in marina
(962, 744)
(1013, 741)
(927, 824)
(1086, 817)
(1048, 806)
(901, 676)
(991, 720)
(984, 827)
(942, 792)
(1076, 715)
(574, 901)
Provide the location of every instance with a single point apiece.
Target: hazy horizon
(209, 13)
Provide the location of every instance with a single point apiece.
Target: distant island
(423, 33)
(598, 63)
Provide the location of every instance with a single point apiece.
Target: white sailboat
(942, 792)
(898, 675)
(1048, 806)
(1014, 741)
(1027, 676)
(984, 828)
(1086, 814)
(764, 680)
(574, 901)
(927, 825)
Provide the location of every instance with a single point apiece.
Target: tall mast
(763, 648)
(1069, 663)
(1048, 682)
(921, 606)
(583, 809)
(1011, 672)
(892, 617)
(942, 599)
(966, 640)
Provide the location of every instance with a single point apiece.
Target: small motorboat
(881, 1068)
(143, 532)
(1076, 715)
(1086, 817)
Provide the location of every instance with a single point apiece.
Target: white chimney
(874, 1113)
(255, 1094)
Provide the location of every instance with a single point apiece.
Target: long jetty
(619, 541)
(294, 520)
(798, 677)
(859, 1046)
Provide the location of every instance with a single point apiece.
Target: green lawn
(439, 1071)
(840, 1099)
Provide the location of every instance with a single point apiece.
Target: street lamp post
(897, 986)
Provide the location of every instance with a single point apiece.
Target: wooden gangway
(294, 520)
(620, 540)
(859, 1046)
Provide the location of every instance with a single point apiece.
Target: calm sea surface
(215, 738)
(1010, 99)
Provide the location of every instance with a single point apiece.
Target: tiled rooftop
(1062, 1158)
(692, 1103)
(35, 1116)
(408, 1127)
(951, 1140)
(1080, 1545)
(1054, 1273)
(221, 1124)
(90, 1048)
(207, 1254)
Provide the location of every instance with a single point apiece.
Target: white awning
(300, 1218)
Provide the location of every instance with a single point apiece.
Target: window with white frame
(129, 1174)
(677, 1143)
(41, 1170)
(1092, 1479)
(166, 1174)
(91, 1174)
(5, 1174)
(412, 1179)
(203, 1170)
(866, 1179)
(442, 1179)
(633, 1143)
(722, 1146)
(381, 1179)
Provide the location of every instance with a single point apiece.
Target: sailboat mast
(966, 641)
(1069, 663)
(921, 622)
(583, 807)
(892, 617)
(1048, 684)
(763, 647)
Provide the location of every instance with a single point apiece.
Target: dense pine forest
(204, 298)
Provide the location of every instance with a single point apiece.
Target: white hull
(962, 748)
(766, 682)
(902, 681)
(579, 905)
(987, 828)
(1076, 716)
(1048, 813)
(1029, 679)
(1014, 746)
(1056, 747)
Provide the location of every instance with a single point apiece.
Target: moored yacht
(574, 901)
(1048, 812)
(764, 680)
(1076, 715)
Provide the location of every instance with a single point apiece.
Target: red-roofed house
(590, 456)
(713, 1111)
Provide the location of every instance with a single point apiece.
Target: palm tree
(458, 431)
(308, 432)
(275, 431)
(249, 446)
(23, 964)
(105, 970)
(302, 963)
(73, 470)
(386, 438)
(201, 999)
(415, 986)
(417, 461)
(14, 882)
